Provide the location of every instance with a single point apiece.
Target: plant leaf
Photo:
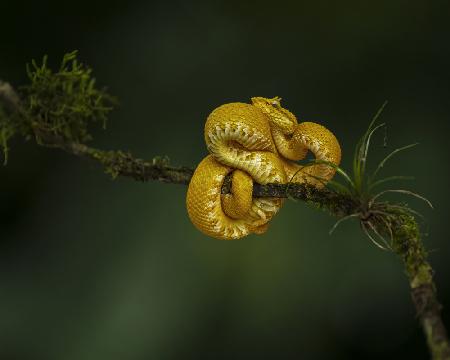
(390, 178)
(401, 191)
(360, 149)
(366, 148)
(339, 187)
(382, 162)
(334, 166)
(381, 237)
(336, 224)
(405, 209)
(376, 243)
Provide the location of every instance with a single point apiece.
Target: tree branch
(405, 230)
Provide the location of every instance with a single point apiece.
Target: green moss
(408, 245)
(58, 104)
(65, 101)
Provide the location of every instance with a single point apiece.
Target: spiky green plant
(375, 216)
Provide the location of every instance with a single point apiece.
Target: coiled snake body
(257, 142)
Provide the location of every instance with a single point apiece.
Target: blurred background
(92, 268)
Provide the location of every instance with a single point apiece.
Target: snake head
(278, 116)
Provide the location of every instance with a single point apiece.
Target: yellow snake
(258, 142)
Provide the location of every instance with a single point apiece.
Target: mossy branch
(57, 108)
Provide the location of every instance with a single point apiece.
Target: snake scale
(258, 142)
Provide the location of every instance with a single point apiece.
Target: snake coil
(258, 142)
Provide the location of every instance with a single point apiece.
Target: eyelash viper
(258, 142)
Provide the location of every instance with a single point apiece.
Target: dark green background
(92, 268)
